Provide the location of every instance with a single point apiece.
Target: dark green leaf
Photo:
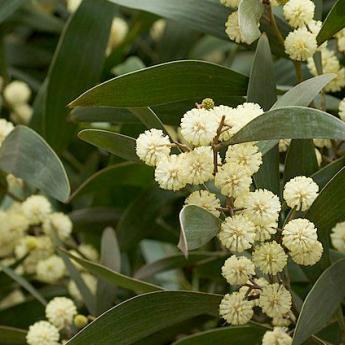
(323, 176)
(12, 336)
(148, 118)
(144, 315)
(8, 7)
(26, 155)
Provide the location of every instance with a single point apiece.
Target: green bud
(80, 321)
(207, 103)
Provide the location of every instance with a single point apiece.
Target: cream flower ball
(276, 337)
(72, 5)
(270, 258)
(152, 145)
(247, 156)
(237, 270)
(300, 192)
(321, 143)
(340, 36)
(300, 44)
(232, 180)
(232, 120)
(6, 128)
(170, 173)
(265, 229)
(299, 234)
(199, 126)
(275, 300)
(338, 237)
(88, 251)
(118, 32)
(230, 3)
(157, 29)
(232, 28)
(36, 208)
(307, 256)
(60, 312)
(299, 12)
(253, 293)
(236, 310)
(342, 109)
(206, 200)
(58, 223)
(284, 144)
(17, 92)
(22, 113)
(43, 333)
(50, 270)
(237, 233)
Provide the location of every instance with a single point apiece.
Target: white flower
(199, 165)
(246, 155)
(276, 337)
(118, 32)
(22, 113)
(60, 223)
(232, 121)
(157, 29)
(230, 3)
(338, 237)
(206, 200)
(232, 180)
(89, 280)
(50, 270)
(338, 83)
(36, 208)
(43, 333)
(284, 320)
(237, 270)
(321, 143)
(284, 144)
(17, 92)
(60, 311)
(300, 44)
(299, 12)
(309, 255)
(270, 257)
(170, 173)
(265, 229)
(235, 309)
(342, 109)
(232, 28)
(199, 127)
(152, 145)
(237, 233)
(248, 111)
(299, 234)
(253, 292)
(6, 128)
(275, 300)
(72, 5)
(300, 192)
(340, 36)
(89, 252)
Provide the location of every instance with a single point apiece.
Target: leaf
(78, 63)
(115, 143)
(323, 176)
(333, 23)
(165, 83)
(144, 315)
(249, 14)
(319, 307)
(26, 155)
(148, 118)
(8, 7)
(198, 227)
(115, 278)
(12, 336)
(244, 335)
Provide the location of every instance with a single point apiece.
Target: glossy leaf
(12, 336)
(26, 155)
(198, 227)
(323, 176)
(148, 118)
(144, 315)
(8, 7)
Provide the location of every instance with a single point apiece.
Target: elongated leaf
(148, 118)
(26, 155)
(198, 227)
(115, 278)
(165, 83)
(318, 306)
(244, 335)
(128, 322)
(115, 143)
(77, 63)
(12, 336)
(334, 22)
(8, 7)
(323, 176)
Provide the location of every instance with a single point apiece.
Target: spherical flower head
(157, 29)
(152, 145)
(299, 12)
(89, 280)
(262, 206)
(17, 92)
(232, 121)
(253, 292)
(72, 5)
(198, 165)
(338, 83)
(237, 233)
(230, 3)
(248, 111)
(43, 333)
(58, 223)
(340, 36)
(206, 200)
(199, 127)
(321, 143)
(235, 309)
(80, 321)
(170, 173)
(118, 32)
(270, 258)
(307, 256)
(207, 103)
(50, 270)
(89, 252)
(237, 270)
(232, 180)
(6, 128)
(60, 312)
(264, 230)
(36, 208)
(232, 28)
(246, 155)
(338, 237)
(276, 337)
(22, 113)
(284, 321)
(300, 44)
(299, 234)
(275, 300)
(284, 144)
(342, 109)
